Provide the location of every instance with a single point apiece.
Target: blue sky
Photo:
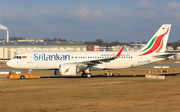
(87, 20)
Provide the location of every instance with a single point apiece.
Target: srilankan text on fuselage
(63, 57)
(48, 57)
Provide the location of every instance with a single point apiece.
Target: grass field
(97, 94)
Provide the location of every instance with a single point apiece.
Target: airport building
(8, 49)
(101, 48)
(130, 47)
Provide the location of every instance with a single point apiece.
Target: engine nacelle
(66, 69)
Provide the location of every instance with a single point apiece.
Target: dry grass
(95, 94)
(122, 94)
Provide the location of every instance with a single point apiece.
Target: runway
(150, 65)
(96, 76)
(22, 70)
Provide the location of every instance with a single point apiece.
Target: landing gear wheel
(88, 75)
(84, 75)
(22, 77)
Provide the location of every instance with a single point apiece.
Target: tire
(83, 75)
(22, 77)
(88, 75)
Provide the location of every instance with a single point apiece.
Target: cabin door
(29, 58)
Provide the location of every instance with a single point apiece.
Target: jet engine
(66, 69)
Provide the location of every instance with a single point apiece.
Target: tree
(55, 39)
(143, 42)
(16, 38)
(59, 39)
(99, 42)
(63, 40)
(47, 39)
(175, 44)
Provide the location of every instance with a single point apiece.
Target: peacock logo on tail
(156, 44)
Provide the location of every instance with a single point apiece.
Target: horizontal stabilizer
(164, 55)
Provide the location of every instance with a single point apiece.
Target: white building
(169, 48)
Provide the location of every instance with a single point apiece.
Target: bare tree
(175, 44)
(16, 38)
(99, 42)
(55, 39)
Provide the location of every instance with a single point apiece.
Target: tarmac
(149, 65)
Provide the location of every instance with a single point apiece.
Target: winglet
(119, 53)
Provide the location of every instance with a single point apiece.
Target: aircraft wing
(99, 61)
(86, 64)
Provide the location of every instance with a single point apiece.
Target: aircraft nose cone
(9, 63)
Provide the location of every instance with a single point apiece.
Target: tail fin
(158, 42)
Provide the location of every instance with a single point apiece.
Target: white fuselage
(52, 60)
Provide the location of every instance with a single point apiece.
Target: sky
(88, 20)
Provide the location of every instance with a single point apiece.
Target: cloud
(51, 13)
(173, 6)
(144, 4)
(84, 13)
(173, 9)
(147, 14)
(15, 14)
(140, 14)
(97, 16)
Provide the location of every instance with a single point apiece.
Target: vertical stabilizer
(158, 42)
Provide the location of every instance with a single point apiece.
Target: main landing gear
(86, 74)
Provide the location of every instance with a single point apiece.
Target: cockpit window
(17, 57)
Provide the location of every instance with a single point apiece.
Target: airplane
(69, 63)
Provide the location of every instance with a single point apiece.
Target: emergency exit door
(140, 59)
